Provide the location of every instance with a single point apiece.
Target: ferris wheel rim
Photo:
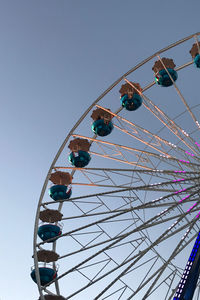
(71, 133)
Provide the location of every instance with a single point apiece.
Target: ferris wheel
(119, 213)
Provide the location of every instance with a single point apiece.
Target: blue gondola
(131, 103)
(80, 159)
(46, 275)
(197, 60)
(60, 192)
(49, 231)
(162, 77)
(101, 128)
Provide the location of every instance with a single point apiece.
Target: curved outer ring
(69, 135)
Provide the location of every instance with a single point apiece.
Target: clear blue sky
(56, 57)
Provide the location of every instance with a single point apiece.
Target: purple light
(197, 144)
(198, 215)
(184, 198)
(179, 171)
(180, 191)
(189, 153)
(178, 180)
(191, 207)
(185, 161)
